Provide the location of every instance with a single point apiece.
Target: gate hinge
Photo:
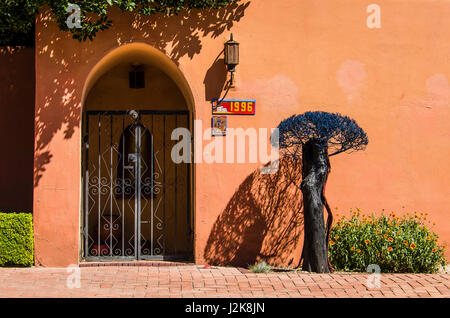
(83, 231)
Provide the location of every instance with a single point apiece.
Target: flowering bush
(397, 244)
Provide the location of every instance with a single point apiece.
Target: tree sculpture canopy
(313, 137)
(340, 133)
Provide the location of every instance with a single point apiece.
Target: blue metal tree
(314, 137)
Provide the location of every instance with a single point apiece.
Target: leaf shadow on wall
(262, 221)
(60, 110)
(186, 30)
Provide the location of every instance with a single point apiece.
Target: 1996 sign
(234, 107)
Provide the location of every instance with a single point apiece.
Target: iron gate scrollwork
(132, 190)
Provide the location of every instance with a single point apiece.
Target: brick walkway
(194, 281)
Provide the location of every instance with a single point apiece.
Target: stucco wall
(16, 128)
(295, 56)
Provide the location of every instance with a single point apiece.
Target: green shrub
(396, 244)
(261, 267)
(17, 16)
(16, 239)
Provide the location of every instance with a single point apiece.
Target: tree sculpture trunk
(314, 173)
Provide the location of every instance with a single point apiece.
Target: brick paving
(195, 281)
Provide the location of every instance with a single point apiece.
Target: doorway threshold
(135, 263)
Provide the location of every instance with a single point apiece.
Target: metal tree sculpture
(315, 136)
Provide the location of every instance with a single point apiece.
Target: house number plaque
(234, 107)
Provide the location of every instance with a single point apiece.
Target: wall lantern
(231, 59)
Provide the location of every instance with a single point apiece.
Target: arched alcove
(139, 53)
(127, 123)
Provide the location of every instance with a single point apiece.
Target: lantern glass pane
(236, 54)
(232, 54)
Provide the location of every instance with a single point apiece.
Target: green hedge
(16, 239)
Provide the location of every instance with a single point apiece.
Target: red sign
(234, 107)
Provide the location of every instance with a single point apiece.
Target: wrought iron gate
(136, 199)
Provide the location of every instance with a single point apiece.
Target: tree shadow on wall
(60, 110)
(262, 221)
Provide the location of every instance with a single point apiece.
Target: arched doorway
(137, 202)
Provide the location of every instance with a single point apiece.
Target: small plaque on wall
(234, 107)
(219, 125)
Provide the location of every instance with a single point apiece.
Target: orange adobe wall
(295, 56)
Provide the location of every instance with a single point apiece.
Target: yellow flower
(390, 239)
(385, 235)
(389, 249)
(405, 242)
(433, 250)
(378, 231)
(367, 241)
(332, 243)
(336, 237)
(436, 241)
(428, 238)
(413, 246)
(352, 249)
